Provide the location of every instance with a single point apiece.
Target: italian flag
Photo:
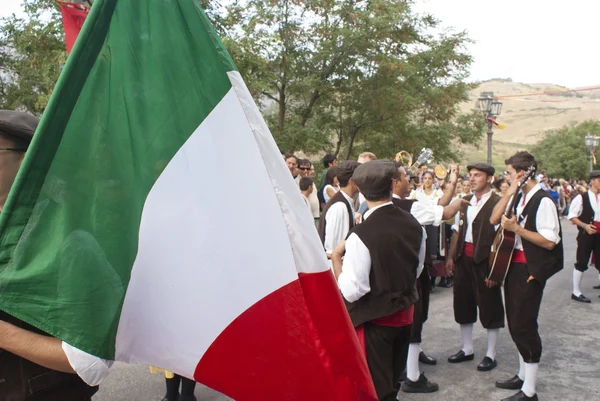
(154, 221)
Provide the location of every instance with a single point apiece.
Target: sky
(531, 41)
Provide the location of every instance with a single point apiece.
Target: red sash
(518, 256)
(401, 318)
(469, 249)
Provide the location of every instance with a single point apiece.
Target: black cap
(374, 177)
(594, 174)
(486, 168)
(18, 125)
(345, 169)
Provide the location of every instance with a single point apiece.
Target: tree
(353, 75)
(563, 153)
(330, 75)
(32, 53)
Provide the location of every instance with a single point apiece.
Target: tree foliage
(32, 53)
(342, 76)
(354, 75)
(563, 153)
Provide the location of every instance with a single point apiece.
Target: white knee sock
(577, 276)
(522, 372)
(492, 341)
(466, 333)
(530, 379)
(412, 362)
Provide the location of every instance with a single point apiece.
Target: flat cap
(374, 177)
(18, 125)
(486, 168)
(594, 174)
(345, 169)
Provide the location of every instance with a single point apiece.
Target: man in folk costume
(426, 213)
(469, 250)
(382, 258)
(538, 255)
(585, 213)
(338, 214)
(33, 365)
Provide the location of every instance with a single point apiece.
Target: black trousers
(421, 306)
(586, 244)
(387, 350)
(523, 302)
(471, 293)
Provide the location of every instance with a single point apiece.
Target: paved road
(570, 368)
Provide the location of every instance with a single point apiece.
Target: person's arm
(452, 253)
(337, 226)
(574, 213)
(546, 223)
(450, 188)
(353, 272)
(39, 349)
(422, 251)
(453, 208)
(500, 208)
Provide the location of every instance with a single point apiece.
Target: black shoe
(426, 359)
(446, 283)
(187, 398)
(514, 383)
(521, 396)
(420, 386)
(487, 364)
(596, 287)
(580, 298)
(460, 356)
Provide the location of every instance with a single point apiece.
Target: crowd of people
(386, 228)
(385, 274)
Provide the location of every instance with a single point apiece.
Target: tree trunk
(282, 110)
(351, 141)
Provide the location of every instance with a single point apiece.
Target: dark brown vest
(393, 238)
(404, 204)
(587, 213)
(542, 263)
(338, 197)
(22, 380)
(483, 231)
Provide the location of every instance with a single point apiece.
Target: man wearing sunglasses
(33, 365)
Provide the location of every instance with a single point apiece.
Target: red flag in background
(73, 16)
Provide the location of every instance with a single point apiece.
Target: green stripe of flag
(141, 78)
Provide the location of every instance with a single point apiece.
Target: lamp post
(490, 108)
(591, 143)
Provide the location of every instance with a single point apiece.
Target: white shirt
(356, 268)
(337, 224)
(313, 199)
(421, 196)
(577, 206)
(426, 212)
(325, 196)
(546, 221)
(472, 212)
(91, 369)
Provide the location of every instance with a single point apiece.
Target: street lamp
(491, 108)
(591, 143)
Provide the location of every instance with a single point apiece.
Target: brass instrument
(404, 157)
(440, 171)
